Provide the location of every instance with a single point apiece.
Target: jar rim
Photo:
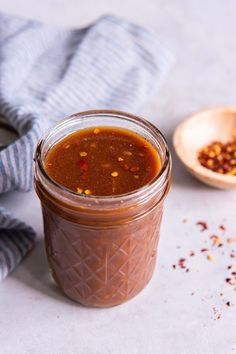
(165, 168)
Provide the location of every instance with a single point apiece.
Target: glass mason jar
(102, 250)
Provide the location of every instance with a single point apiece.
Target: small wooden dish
(200, 129)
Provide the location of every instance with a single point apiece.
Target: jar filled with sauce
(102, 177)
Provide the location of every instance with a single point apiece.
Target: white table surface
(165, 318)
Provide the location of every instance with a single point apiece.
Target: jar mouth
(158, 180)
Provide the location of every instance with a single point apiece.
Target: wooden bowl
(200, 129)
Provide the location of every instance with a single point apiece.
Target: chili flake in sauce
(103, 161)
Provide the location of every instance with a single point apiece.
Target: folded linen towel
(47, 73)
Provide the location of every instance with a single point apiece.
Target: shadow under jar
(102, 250)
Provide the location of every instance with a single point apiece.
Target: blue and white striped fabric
(47, 73)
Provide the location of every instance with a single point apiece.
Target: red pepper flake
(210, 257)
(228, 303)
(192, 293)
(233, 273)
(217, 241)
(187, 270)
(134, 169)
(203, 225)
(84, 167)
(174, 266)
(229, 267)
(216, 313)
(192, 253)
(182, 263)
(204, 250)
(231, 240)
(229, 281)
(222, 227)
(219, 157)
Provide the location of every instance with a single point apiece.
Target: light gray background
(165, 318)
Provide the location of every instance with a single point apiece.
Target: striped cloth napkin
(47, 73)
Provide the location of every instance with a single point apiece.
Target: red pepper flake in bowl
(219, 157)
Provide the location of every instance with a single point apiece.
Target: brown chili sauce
(103, 161)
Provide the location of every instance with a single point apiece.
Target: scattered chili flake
(203, 225)
(210, 257)
(79, 190)
(222, 227)
(219, 157)
(114, 174)
(217, 241)
(229, 267)
(229, 281)
(204, 250)
(120, 159)
(136, 176)
(231, 240)
(233, 273)
(187, 270)
(228, 303)
(67, 146)
(182, 263)
(216, 313)
(192, 253)
(173, 266)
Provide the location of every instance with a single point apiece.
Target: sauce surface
(103, 161)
